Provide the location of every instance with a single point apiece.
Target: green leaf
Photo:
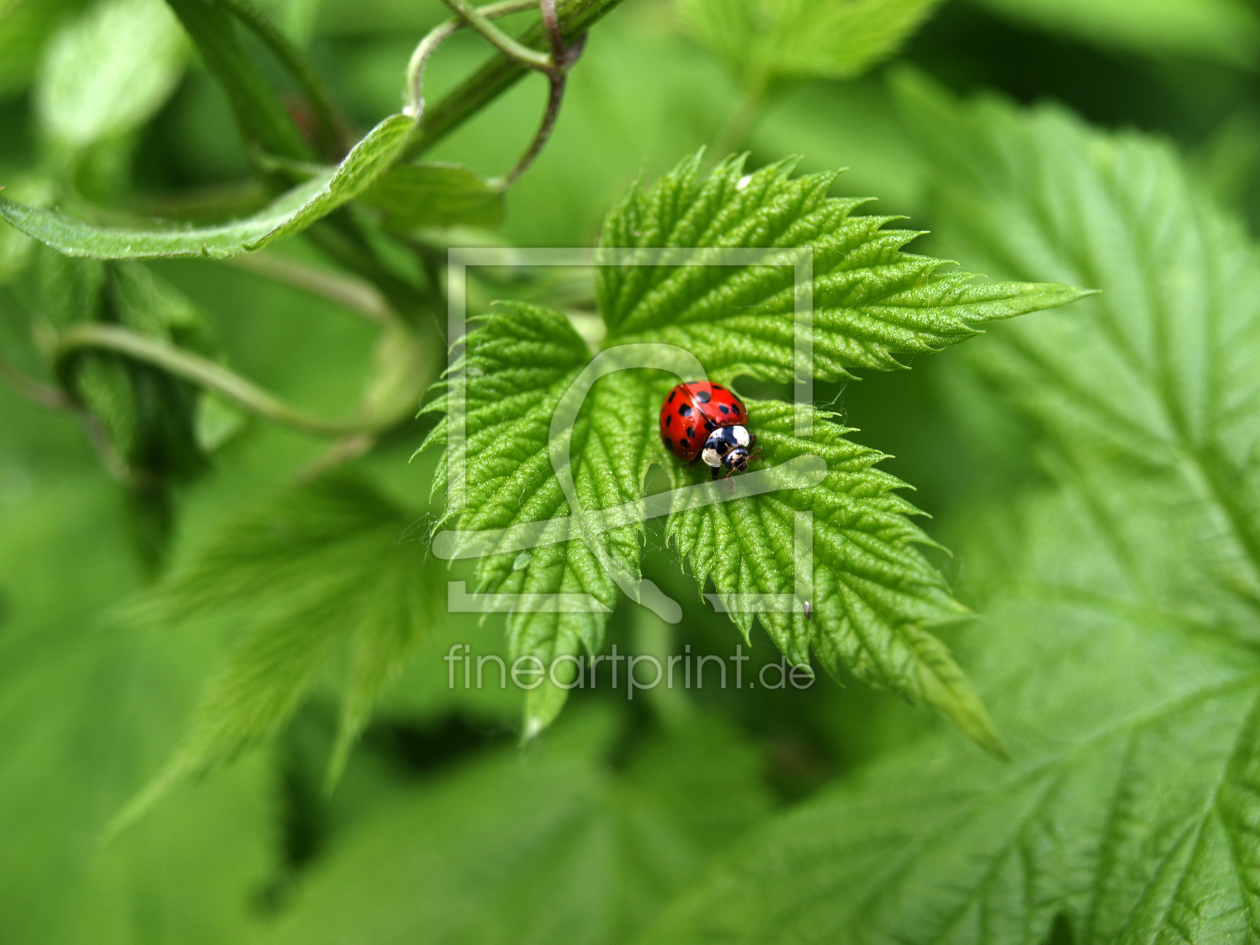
(16, 249)
(88, 708)
(519, 362)
(1222, 30)
(434, 195)
(147, 416)
(1122, 618)
(831, 38)
(871, 300)
(1161, 370)
(260, 117)
(548, 847)
(875, 594)
(25, 28)
(290, 213)
(322, 577)
(1128, 815)
(109, 72)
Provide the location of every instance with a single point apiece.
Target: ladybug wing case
(682, 424)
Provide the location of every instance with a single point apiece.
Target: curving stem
(414, 107)
(199, 371)
(563, 59)
(555, 66)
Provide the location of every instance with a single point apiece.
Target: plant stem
(440, 34)
(331, 126)
(501, 73)
(200, 371)
(357, 295)
(518, 52)
(555, 97)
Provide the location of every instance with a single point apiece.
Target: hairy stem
(200, 371)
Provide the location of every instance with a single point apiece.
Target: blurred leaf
(1224, 30)
(861, 132)
(87, 710)
(1128, 815)
(108, 72)
(551, 847)
(434, 195)
(290, 213)
(261, 119)
(147, 415)
(217, 422)
(297, 18)
(324, 575)
(836, 39)
(1162, 369)
(1125, 670)
(15, 248)
(870, 298)
(25, 27)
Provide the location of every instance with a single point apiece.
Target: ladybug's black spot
(669, 419)
(691, 431)
(672, 395)
(717, 387)
(724, 408)
(667, 442)
(684, 410)
(702, 396)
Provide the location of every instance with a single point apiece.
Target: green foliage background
(223, 701)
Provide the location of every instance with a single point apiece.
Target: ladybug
(706, 421)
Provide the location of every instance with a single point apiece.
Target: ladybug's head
(727, 448)
(736, 460)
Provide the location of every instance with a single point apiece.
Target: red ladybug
(704, 420)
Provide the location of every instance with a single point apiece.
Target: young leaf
(874, 593)
(290, 213)
(109, 71)
(871, 300)
(320, 574)
(519, 363)
(551, 847)
(1162, 368)
(832, 38)
(434, 195)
